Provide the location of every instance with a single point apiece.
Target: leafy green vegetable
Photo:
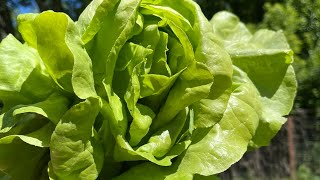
(258, 55)
(138, 89)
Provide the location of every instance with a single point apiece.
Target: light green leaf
(66, 59)
(117, 117)
(156, 85)
(52, 108)
(175, 55)
(105, 54)
(216, 148)
(266, 57)
(74, 153)
(56, 56)
(209, 110)
(178, 24)
(142, 115)
(230, 29)
(147, 171)
(91, 19)
(192, 85)
(21, 72)
(26, 28)
(159, 64)
(124, 152)
(274, 109)
(162, 141)
(110, 39)
(130, 55)
(39, 138)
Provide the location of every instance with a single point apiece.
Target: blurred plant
(250, 11)
(316, 159)
(305, 173)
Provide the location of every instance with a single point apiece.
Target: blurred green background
(295, 152)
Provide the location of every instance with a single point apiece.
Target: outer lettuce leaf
(209, 153)
(39, 138)
(209, 111)
(23, 78)
(266, 58)
(52, 108)
(66, 60)
(90, 20)
(74, 153)
(25, 27)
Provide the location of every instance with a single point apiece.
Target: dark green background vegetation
(300, 22)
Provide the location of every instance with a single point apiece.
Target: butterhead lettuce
(138, 89)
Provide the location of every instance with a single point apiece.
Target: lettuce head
(138, 89)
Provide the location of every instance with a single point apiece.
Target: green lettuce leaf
(21, 72)
(52, 108)
(74, 153)
(90, 20)
(266, 57)
(66, 60)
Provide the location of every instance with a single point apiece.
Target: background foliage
(300, 21)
